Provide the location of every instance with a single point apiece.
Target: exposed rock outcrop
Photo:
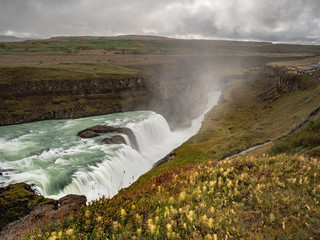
(23, 210)
(26, 101)
(168, 158)
(18, 200)
(290, 81)
(99, 130)
(114, 140)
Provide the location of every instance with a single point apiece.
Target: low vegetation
(146, 45)
(305, 141)
(242, 198)
(63, 71)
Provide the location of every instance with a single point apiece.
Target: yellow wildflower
(210, 222)
(182, 196)
(212, 210)
(69, 231)
(212, 183)
(169, 227)
(204, 218)
(87, 214)
(152, 229)
(185, 226)
(150, 222)
(123, 212)
(190, 216)
(208, 236)
(229, 184)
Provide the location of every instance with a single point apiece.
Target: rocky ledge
(22, 210)
(99, 130)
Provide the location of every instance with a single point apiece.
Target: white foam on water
(52, 157)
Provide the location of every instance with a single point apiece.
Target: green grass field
(62, 71)
(145, 44)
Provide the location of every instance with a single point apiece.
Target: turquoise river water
(50, 156)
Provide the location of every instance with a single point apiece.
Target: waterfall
(49, 154)
(126, 164)
(150, 132)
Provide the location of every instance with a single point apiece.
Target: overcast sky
(295, 21)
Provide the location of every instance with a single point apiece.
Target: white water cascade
(49, 155)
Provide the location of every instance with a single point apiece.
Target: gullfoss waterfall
(50, 156)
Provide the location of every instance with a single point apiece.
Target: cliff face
(289, 80)
(177, 92)
(20, 88)
(23, 101)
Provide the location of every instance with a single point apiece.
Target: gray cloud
(273, 20)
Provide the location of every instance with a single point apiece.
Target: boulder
(99, 130)
(96, 131)
(168, 158)
(114, 140)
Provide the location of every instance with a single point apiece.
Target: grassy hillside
(195, 196)
(305, 141)
(243, 198)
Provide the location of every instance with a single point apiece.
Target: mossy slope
(17, 200)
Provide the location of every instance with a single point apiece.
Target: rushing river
(50, 155)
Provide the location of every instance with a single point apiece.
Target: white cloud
(273, 20)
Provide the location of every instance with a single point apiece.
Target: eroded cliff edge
(174, 94)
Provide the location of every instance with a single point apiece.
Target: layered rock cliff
(25, 101)
(178, 93)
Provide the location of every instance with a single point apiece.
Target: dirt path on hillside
(307, 120)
